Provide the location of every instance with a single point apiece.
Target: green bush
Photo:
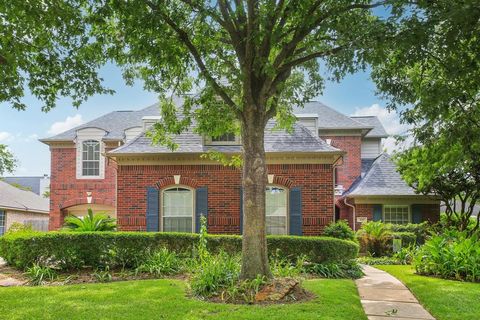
(408, 238)
(347, 269)
(451, 255)
(421, 230)
(374, 238)
(379, 260)
(73, 250)
(161, 262)
(38, 275)
(339, 229)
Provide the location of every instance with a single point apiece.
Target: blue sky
(20, 130)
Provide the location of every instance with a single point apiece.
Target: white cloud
(69, 123)
(391, 122)
(5, 136)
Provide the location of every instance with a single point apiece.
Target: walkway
(385, 297)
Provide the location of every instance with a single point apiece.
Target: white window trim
(237, 142)
(161, 199)
(287, 203)
(80, 160)
(396, 206)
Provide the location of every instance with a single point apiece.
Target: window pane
(396, 214)
(276, 210)
(91, 158)
(177, 210)
(2, 222)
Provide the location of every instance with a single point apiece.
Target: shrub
(91, 222)
(17, 227)
(347, 269)
(421, 230)
(161, 262)
(282, 267)
(408, 238)
(339, 229)
(451, 255)
(374, 237)
(38, 274)
(73, 250)
(379, 260)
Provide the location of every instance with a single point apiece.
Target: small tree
(7, 160)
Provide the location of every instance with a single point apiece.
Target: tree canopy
(8, 162)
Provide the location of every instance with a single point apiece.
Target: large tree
(248, 60)
(7, 160)
(431, 71)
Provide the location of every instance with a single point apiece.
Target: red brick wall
(66, 190)
(352, 163)
(223, 185)
(431, 212)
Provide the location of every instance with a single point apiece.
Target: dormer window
(91, 158)
(224, 139)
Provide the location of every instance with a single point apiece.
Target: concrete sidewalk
(385, 297)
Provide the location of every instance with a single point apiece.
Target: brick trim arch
(78, 201)
(282, 181)
(170, 181)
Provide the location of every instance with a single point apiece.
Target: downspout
(353, 210)
(334, 166)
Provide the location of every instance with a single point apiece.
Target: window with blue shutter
(377, 212)
(201, 206)
(295, 211)
(153, 209)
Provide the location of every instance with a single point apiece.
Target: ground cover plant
(444, 299)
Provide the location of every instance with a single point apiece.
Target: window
(91, 158)
(396, 214)
(224, 139)
(2, 222)
(276, 210)
(177, 209)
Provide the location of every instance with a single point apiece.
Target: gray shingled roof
(115, 123)
(382, 179)
(32, 183)
(16, 199)
(378, 130)
(300, 140)
(328, 118)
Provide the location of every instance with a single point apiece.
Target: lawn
(445, 299)
(165, 299)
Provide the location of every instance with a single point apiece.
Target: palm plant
(91, 222)
(374, 236)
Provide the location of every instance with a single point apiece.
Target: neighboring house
(109, 164)
(23, 207)
(39, 184)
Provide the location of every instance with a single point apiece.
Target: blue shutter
(153, 211)
(295, 211)
(241, 210)
(417, 216)
(377, 212)
(201, 206)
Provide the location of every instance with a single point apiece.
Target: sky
(20, 130)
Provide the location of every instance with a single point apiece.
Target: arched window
(91, 158)
(276, 210)
(177, 210)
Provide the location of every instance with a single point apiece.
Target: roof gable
(378, 130)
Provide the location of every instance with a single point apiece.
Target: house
(22, 206)
(315, 175)
(37, 184)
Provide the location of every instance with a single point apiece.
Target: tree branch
(183, 37)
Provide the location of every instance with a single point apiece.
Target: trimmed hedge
(74, 250)
(408, 238)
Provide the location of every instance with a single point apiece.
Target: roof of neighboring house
(378, 130)
(16, 199)
(115, 123)
(31, 183)
(329, 118)
(299, 140)
(381, 179)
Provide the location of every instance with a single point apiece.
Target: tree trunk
(254, 174)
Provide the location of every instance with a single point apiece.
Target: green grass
(445, 299)
(165, 299)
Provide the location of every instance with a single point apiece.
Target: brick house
(314, 174)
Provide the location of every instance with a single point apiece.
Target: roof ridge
(367, 175)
